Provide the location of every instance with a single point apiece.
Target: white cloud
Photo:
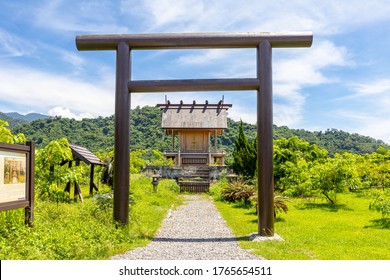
(304, 66)
(369, 108)
(378, 87)
(38, 91)
(322, 17)
(364, 122)
(297, 69)
(79, 16)
(67, 113)
(13, 46)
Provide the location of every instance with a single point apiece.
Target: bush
(168, 184)
(216, 188)
(238, 191)
(280, 204)
(381, 203)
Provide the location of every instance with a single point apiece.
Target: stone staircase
(194, 179)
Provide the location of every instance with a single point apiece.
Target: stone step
(196, 187)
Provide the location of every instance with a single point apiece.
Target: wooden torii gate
(263, 42)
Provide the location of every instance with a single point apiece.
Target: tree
(335, 175)
(244, 155)
(51, 172)
(293, 158)
(7, 136)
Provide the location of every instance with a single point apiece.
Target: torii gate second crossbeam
(263, 42)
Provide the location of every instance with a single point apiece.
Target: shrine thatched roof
(194, 116)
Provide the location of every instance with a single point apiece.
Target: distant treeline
(146, 133)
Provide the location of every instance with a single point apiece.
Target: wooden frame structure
(263, 42)
(80, 153)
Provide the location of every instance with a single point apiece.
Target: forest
(98, 134)
(306, 163)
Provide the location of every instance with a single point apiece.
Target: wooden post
(29, 210)
(122, 135)
(77, 190)
(91, 183)
(173, 141)
(67, 188)
(178, 151)
(265, 141)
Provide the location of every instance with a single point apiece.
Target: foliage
(381, 203)
(217, 187)
(107, 173)
(137, 162)
(105, 200)
(157, 159)
(244, 155)
(168, 184)
(238, 190)
(334, 176)
(141, 158)
(375, 170)
(51, 174)
(280, 204)
(7, 136)
(293, 159)
(84, 231)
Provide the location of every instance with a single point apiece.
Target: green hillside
(11, 120)
(98, 134)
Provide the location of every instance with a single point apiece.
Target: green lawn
(317, 230)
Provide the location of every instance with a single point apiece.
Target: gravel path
(194, 231)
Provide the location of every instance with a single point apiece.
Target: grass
(317, 230)
(85, 230)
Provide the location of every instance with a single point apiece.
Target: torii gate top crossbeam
(263, 42)
(193, 40)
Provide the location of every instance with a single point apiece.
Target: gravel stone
(193, 231)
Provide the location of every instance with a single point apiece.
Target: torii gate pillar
(265, 162)
(122, 135)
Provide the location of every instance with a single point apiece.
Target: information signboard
(17, 177)
(12, 176)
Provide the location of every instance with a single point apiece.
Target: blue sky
(342, 81)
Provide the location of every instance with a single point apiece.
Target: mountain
(146, 133)
(12, 121)
(29, 117)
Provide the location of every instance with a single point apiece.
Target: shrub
(280, 204)
(238, 191)
(168, 184)
(381, 203)
(216, 188)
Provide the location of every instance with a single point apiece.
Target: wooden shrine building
(196, 128)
